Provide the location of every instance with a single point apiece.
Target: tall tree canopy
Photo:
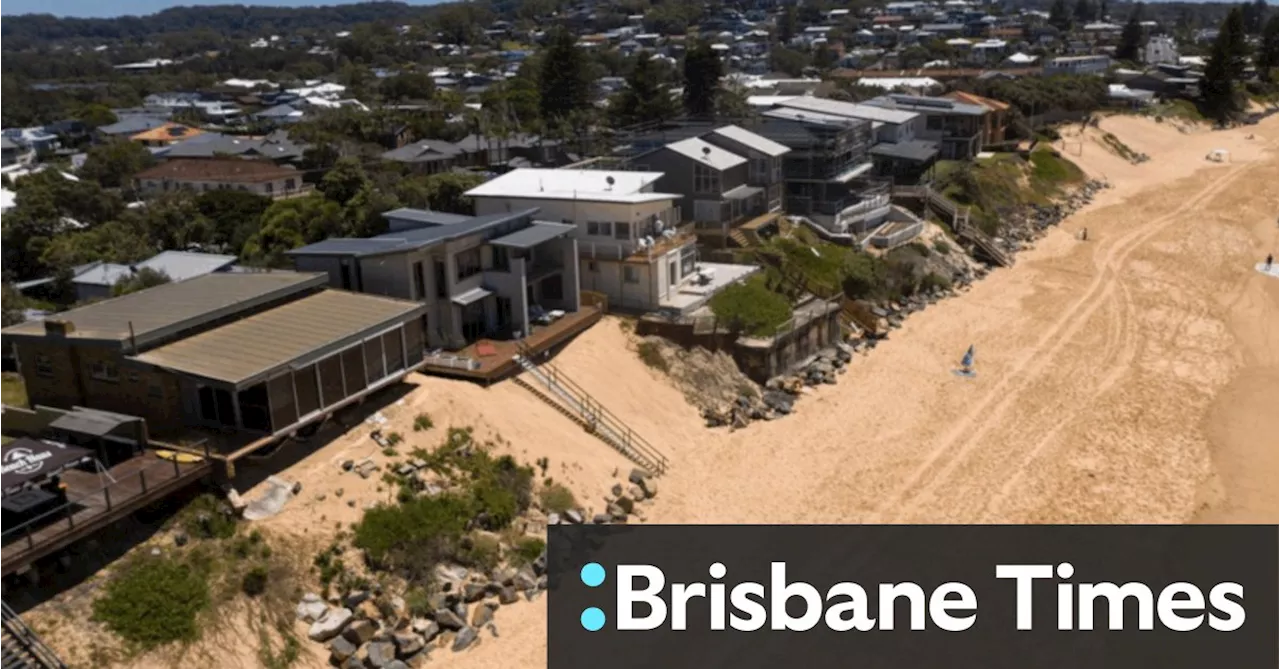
(646, 96)
(1226, 64)
(1269, 48)
(1084, 11)
(1059, 15)
(562, 81)
(1131, 38)
(702, 72)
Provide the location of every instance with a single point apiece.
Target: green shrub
(529, 549)
(254, 582)
(418, 602)
(480, 551)
(393, 439)
(152, 602)
(557, 499)
(651, 355)
(206, 517)
(751, 307)
(414, 536)
(422, 422)
(329, 564)
(933, 280)
(941, 246)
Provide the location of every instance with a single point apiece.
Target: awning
(916, 151)
(533, 235)
(91, 422)
(850, 175)
(471, 296)
(26, 459)
(742, 192)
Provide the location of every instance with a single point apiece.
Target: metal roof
(564, 184)
(850, 110)
(916, 150)
(533, 235)
(751, 140)
(927, 105)
(292, 334)
(408, 240)
(92, 422)
(706, 153)
(183, 265)
(170, 308)
(425, 216)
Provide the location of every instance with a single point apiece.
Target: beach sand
(1131, 378)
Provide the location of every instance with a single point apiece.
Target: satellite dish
(609, 180)
(706, 152)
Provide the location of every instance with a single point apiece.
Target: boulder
(360, 631)
(407, 643)
(574, 516)
(553, 518)
(355, 598)
(616, 490)
(503, 576)
(636, 492)
(451, 573)
(396, 664)
(311, 608)
(540, 564)
(466, 637)
(507, 595)
(473, 592)
(601, 519)
(340, 649)
(638, 476)
(419, 660)
(449, 620)
(381, 653)
(482, 616)
(369, 609)
(427, 629)
(525, 580)
(650, 487)
(329, 625)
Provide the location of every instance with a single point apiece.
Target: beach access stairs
(948, 210)
(554, 387)
(20, 648)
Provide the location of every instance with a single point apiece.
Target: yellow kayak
(183, 458)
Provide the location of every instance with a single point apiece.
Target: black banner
(899, 596)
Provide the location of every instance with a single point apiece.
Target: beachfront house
(956, 126)
(494, 276)
(897, 152)
(631, 246)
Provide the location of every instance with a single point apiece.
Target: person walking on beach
(1267, 267)
(1084, 234)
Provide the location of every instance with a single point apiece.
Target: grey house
(955, 126)
(483, 276)
(427, 156)
(765, 160)
(712, 181)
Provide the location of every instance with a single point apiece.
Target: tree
(344, 181)
(702, 72)
(1084, 11)
(731, 101)
(787, 24)
(442, 192)
(646, 96)
(408, 86)
(288, 224)
(562, 81)
(1226, 64)
(1269, 49)
(1255, 15)
(233, 214)
(1059, 16)
(141, 280)
(787, 60)
(1131, 38)
(113, 164)
(96, 115)
(1103, 10)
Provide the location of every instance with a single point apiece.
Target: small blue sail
(967, 362)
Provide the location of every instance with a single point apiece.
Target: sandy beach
(1130, 378)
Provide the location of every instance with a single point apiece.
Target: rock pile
(620, 506)
(1020, 229)
(371, 629)
(781, 392)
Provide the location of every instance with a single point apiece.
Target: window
(599, 228)
(630, 275)
(688, 260)
(442, 286)
(44, 366)
(593, 228)
(705, 179)
(419, 281)
(501, 259)
(290, 184)
(761, 169)
(468, 263)
(933, 123)
(622, 230)
(104, 371)
(271, 187)
(592, 266)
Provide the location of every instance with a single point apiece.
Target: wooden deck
(138, 482)
(490, 360)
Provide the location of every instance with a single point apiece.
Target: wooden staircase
(20, 648)
(739, 237)
(552, 386)
(960, 224)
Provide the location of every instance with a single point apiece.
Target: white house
(1095, 64)
(1160, 49)
(628, 243)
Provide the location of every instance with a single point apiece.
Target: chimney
(58, 328)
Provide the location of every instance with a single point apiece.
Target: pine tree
(1084, 11)
(1059, 17)
(787, 24)
(562, 82)
(1226, 64)
(702, 72)
(646, 97)
(1131, 38)
(1255, 14)
(1103, 10)
(1269, 48)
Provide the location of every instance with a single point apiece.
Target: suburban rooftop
(592, 185)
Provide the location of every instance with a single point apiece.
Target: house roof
(706, 153)
(131, 125)
(589, 185)
(170, 308)
(168, 132)
(293, 334)
(275, 146)
(408, 240)
(102, 274)
(928, 105)
(425, 216)
(183, 265)
(989, 103)
(850, 109)
(916, 150)
(423, 151)
(226, 170)
(806, 116)
(533, 235)
(751, 140)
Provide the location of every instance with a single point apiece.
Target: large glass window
(468, 263)
(622, 230)
(705, 179)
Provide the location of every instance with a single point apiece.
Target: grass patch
(1120, 148)
(556, 498)
(422, 423)
(751, 307)
(153, 602)
(994, 187)
(206, 517)
(528, 549)
(941, 246)
(1184, 110)
(651, 355)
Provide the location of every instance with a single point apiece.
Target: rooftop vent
(58, 328)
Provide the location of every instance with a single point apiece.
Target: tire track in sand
(977, 421)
